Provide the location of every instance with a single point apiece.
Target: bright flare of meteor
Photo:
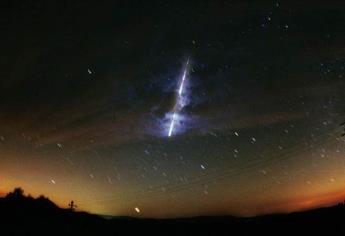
(177, 107)
(172, 124)
(183, 79)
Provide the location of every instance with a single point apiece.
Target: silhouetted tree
(16, 193)
(72, 206)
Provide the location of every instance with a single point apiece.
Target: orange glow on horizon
(318, 201)
(307, 203)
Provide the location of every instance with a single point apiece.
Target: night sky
(87, 91)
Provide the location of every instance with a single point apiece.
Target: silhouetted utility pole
(72, 206)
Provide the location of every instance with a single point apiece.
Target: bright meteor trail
(179, 104)
(172, 124)
(183, 79)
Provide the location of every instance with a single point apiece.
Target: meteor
(183, 78)
(172, 124)
(178, 104)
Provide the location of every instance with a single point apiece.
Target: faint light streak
(137, 209)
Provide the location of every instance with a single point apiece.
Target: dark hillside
(25, 215)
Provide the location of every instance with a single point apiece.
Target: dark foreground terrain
(23, 215)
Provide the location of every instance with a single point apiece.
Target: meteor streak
(183, 78)
(172, 124)
(178, 104)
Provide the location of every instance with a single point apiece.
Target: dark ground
(24, 215)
